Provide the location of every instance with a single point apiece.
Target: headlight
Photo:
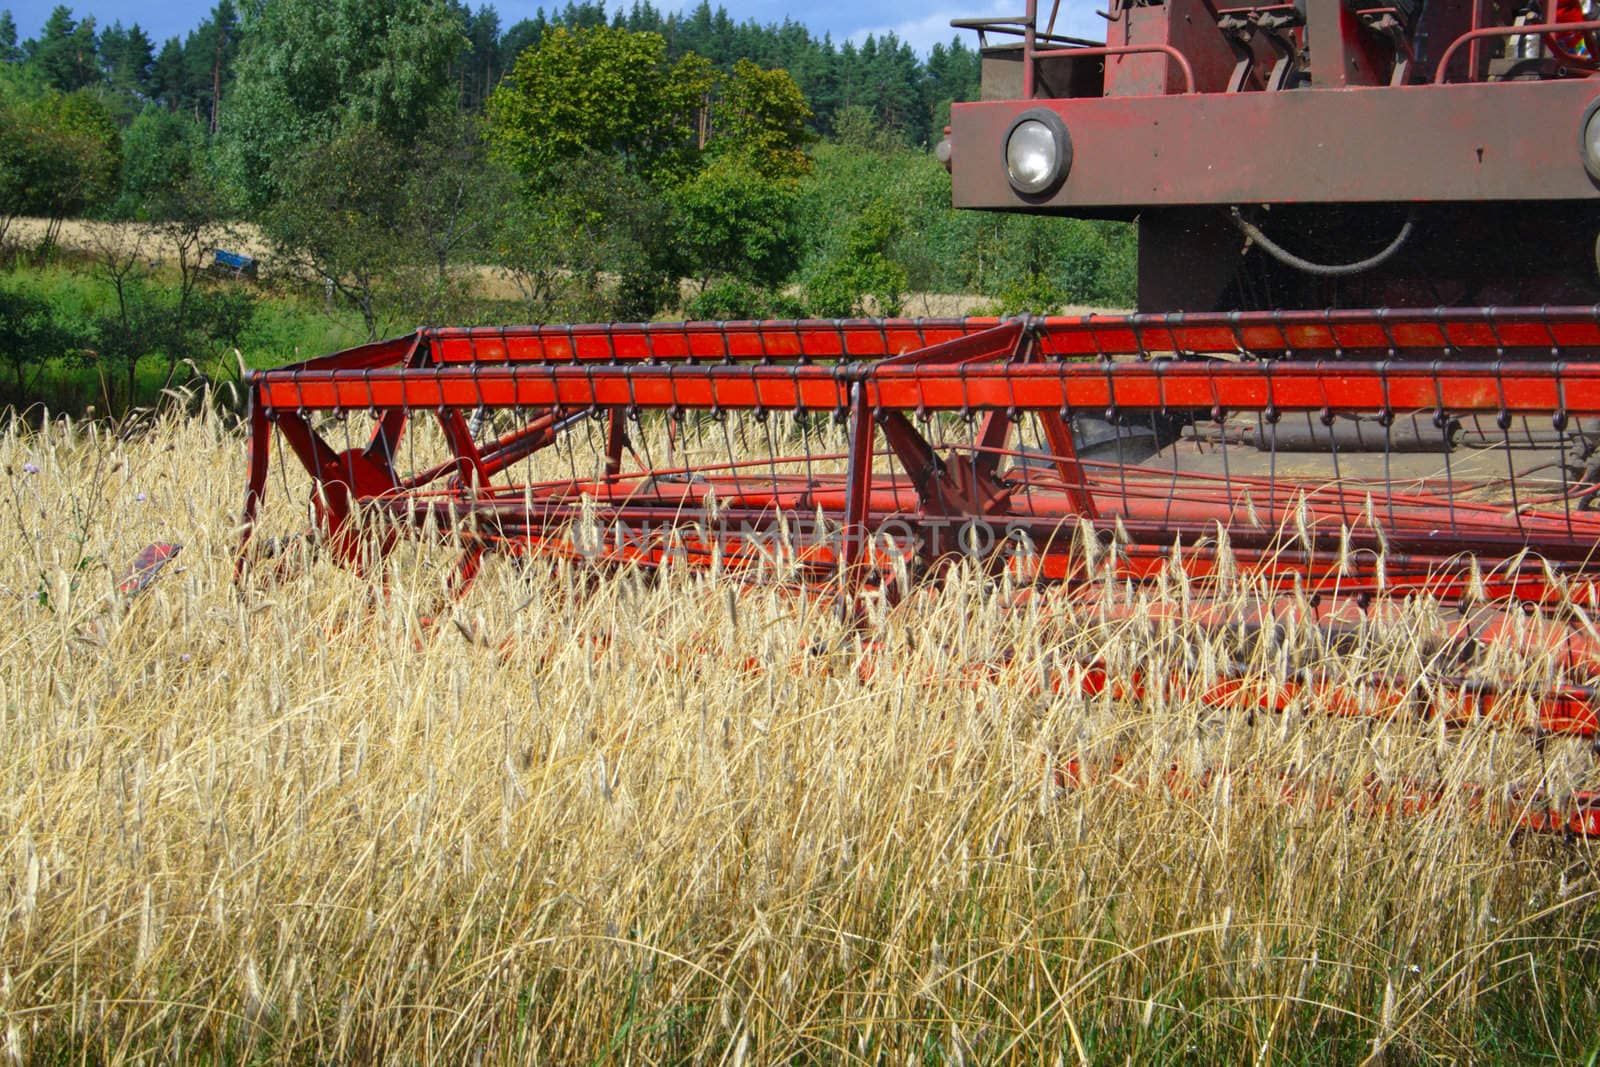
(1589, 145)
(1038, 152)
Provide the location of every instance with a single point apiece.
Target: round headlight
(1038, 152)
(1589, 131)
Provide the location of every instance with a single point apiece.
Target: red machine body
(1330, 125)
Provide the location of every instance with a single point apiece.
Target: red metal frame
(933, 454)
(1380, 110)
(1500, 364)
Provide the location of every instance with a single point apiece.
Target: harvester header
(1365, 367)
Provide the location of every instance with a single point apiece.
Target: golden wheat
(682, 819)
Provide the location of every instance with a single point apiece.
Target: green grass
(286, 327)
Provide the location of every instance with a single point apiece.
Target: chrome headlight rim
(1591, 159)
(1052, 179)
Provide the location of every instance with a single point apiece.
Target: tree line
(399, 156)
(905, 96)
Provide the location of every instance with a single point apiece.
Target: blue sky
(920, 24)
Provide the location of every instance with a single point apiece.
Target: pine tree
(169, 77)
(127, 58)
(9, 52)
(65, 51)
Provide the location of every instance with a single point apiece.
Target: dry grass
(671, 821)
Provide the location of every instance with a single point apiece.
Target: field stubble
(678, 820)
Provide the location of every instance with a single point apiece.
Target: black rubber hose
(1326, 270)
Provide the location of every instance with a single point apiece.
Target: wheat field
(683, 820)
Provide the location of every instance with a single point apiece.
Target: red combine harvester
(1424, 177)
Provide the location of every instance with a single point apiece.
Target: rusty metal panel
(1190, 26)
(1467, 142)
(1054, 76)
(1343, 52)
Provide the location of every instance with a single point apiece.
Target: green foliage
(854, 126)
(126, 58)
(163, 158)
(341, 220)
(277, 329)
(737, 216)
(311, 71)
(731, 298)
(451, 191)
(71, 338)
(9, 52)
(600, 91)
(30, 335)
(688, 171)
(59, 153)
(954, 72)
(1035, 294)
(198, 81)
(761, 117)
(65, 51)
(151, 322)
(860, 278)
(733, 220)
(1025, 261)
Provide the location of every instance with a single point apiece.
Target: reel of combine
(864, 458)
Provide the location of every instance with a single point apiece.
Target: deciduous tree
(600, 92)
(59, 155)
(312, 71)
(340, 221)
(762, 117)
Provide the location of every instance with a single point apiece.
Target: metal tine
(1503, 419)
(969, 417)
(1441, 419)
(566, 438)
(764, 417)
(1028, 424)
(777, 497)
(1112, 416)
(283, 454)
(1221, 418)
(595, 451)
(1172, 485)
(802, 420)
(720, 416)
(592, 412)
(572, 343)
(933, 427)
(1013, 435)
(1270, 417)
(1386, 418)
(636, 417)
(1560, 421)
(1328, 417)
(409, 432)
(1381, 316)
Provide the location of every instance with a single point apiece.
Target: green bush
(942, 250)
(733, 299)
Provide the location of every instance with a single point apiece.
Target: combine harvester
(1424, 177)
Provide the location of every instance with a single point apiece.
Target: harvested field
(683, 819)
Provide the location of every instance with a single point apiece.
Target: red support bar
(1456, 387)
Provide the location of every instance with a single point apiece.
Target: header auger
(1424, 177)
